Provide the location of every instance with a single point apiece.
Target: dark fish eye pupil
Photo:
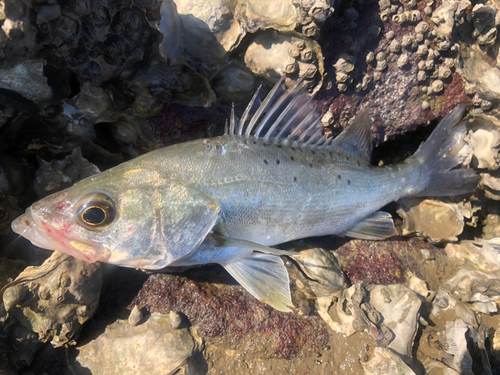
(94, 215)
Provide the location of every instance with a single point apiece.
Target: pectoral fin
(264, 276)
(377, 226)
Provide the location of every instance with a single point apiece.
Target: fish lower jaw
(32, 229)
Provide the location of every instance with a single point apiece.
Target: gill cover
(159, 220)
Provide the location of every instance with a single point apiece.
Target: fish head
(138, 218)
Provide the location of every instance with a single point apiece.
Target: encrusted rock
(60, 296)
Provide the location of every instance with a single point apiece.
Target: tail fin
(435, 163)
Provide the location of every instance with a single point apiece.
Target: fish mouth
(40, 233)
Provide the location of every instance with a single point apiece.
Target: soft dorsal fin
(356, 139)
(290, 116)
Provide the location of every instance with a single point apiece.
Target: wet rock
(145, 348)
(223, 313)
(234, 84)
(9, 269)
(177, 123)
(9, 210)
(386, 262)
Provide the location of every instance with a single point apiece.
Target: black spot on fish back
(291, 157)
(348, 182)
(278, 162)
(265, 162)
(340, 177)
(295, 179)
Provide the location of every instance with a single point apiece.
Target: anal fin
(377, 226)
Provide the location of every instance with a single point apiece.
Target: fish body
(271, 178)
(272, 194)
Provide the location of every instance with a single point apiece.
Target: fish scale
(271, 178)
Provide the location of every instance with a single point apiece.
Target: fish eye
(94, 215)
(95, 211)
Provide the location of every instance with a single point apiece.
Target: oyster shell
(55, 299)
(356, 314)
(322, 267)
(209, 30)
(485, 254)
(437, 220)
(325, 280)
(456, 345)
(383, 361)
(140, 349)
(59, 174)
(172, 45)
(491, 186)
(85, 109)
(447, 14)
(270, 56)
(477, 71)
(399, 307)
(484, 141)
(477, 290)
(256, 15)
(27, 79)
(438, 368)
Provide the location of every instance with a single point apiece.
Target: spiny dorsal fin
(356, 139)
(290, 116)
(285, 114)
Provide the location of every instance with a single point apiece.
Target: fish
(271, 178)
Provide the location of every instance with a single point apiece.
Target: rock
(141, 349)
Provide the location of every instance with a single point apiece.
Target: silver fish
(273, 177)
